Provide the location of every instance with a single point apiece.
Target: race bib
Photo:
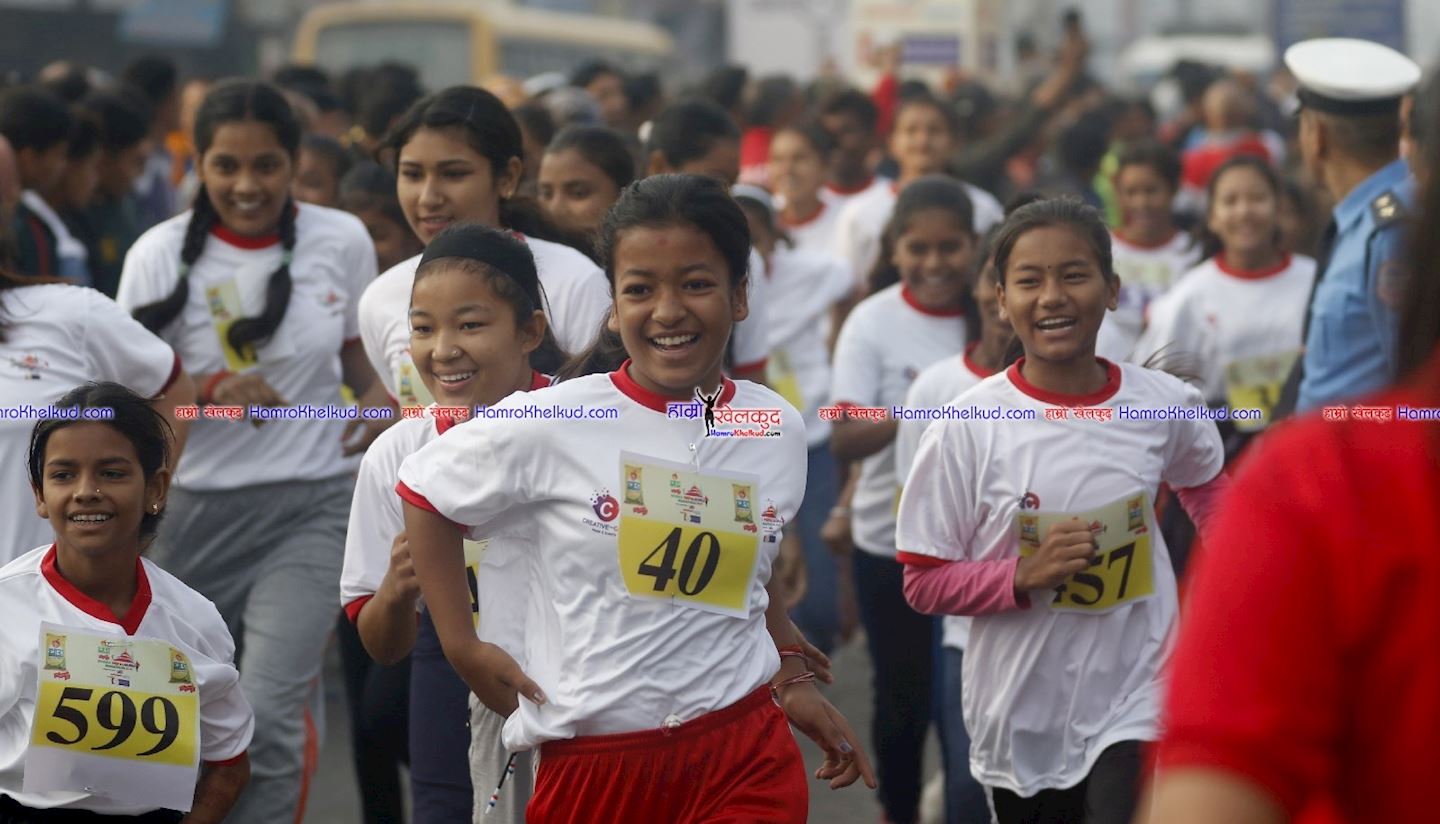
(1256, 383)
(781, 378)
(689, 537)
(243, 296)
(224, 302)
(473, 551)
(409, 389)
(115, 716)
(1123, 571)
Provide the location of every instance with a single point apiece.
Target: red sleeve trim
(918, 560)
(349, 341)
(352, 609)
(174, 375)
(1244, 761)
(229, 761)
(415, 499)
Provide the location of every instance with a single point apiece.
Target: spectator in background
(110, 225)
(37, 124)
(582, 173)
(72, 192)
(644, 97)
(606, 84)
(321, 165)
(384, 93)
(368, 192)
(159, 81)
(726, 86)
(1228, 112)
(66, 80)
(1299, 219)
(9, 198)
(181, 143)
(537, 129)
(852, 119)
(1078, 151)
(774, 104)
(330, 119)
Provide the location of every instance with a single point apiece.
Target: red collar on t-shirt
(975, 368)
(243, 241)
(925, 310)
(1253, 274)
(653, 400)
(138, 606)
(1104, 393)
(851, 190)
(537, 381)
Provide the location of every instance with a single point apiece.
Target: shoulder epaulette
(1387, 209)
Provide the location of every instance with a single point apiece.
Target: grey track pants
(269, 556)
(487, 762)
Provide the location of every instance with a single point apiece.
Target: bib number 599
(115, 712)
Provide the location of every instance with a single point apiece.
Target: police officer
(1350, 93)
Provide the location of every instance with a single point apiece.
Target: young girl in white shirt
(651, 647)
(1039, 524)
(257, 295)
(475, 322)
(119, 699)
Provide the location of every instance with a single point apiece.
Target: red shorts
(738, 764)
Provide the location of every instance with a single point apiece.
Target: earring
(155, 508)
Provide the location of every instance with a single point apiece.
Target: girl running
(649, 635)
(102, 486)
(939, 385)
(54, 337)
(1150, 253)
(918, 318)
(581, 175)
(475, 322)
(1039, 524)
(921, 142)
(458, 154)
(258, 296)
(799, 158)
(1241, 313)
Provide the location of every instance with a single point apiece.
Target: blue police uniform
(1350, 347)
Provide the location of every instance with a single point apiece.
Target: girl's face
(443, 180)
(247, 174)
(921, 141)
(394, 242)
(993, 328)
(575, 192)
(316, 181)
(1244, 211)
(721, 163)
(464, 339)
(1054, 294)
(797, 171)
(1145, 199)
(932, 255)
(674, 307)
(93, 490)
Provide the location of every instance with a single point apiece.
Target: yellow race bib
(409, 389)
(115, 715)
(1256, 383)
(688, 537)
(223, 299)
(781, 378)
(1123, 570)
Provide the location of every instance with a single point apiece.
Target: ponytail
(160, 314)
(246, 331)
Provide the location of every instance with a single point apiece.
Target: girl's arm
(386, 623)
(369, 392)
(852, 440)
(180, 393)
(1202, 502)
(219, 786)
(936, 587)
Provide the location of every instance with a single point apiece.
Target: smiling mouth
(90, 519)
(454, 379)
(1055, 324)
(674, 343)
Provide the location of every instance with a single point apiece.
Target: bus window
(439, 50)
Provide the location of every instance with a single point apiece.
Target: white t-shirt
(575, 289)
(1047, 689)
(610, 653)
(1146, 273)
(33, 592)
(807, 285)
(377, 515)
(1219, 318)
(333, 260)
(58, 337)
(884, 345)
(838, 198)
(71, 256)
(750, 339)
(939, 384)
(862, 223)
(817, 233)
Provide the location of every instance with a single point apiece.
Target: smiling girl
(257, 295)
(474, 309)
(582, 172)
(799, 157)
(459, 160)
(651, 645)
(102, 486)
(884, 344)
(1241, 313)
(1041, 526)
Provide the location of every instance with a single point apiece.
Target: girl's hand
(494, 677)
(369, 431)
(245, 389)
(400, 577)
(1067, 549)
(836, 533)
(845, 759)
(815, 660)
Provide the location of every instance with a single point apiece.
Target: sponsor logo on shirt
(1029, 500)
(29, 366)
(770, 522)
(607, 509)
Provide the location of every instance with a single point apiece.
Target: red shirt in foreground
(1309, 653)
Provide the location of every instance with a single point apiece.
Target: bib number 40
(686, 578)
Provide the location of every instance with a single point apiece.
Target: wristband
(803, 678)
(207, 390)
(793, 651)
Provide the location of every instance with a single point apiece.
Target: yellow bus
(456, 42)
